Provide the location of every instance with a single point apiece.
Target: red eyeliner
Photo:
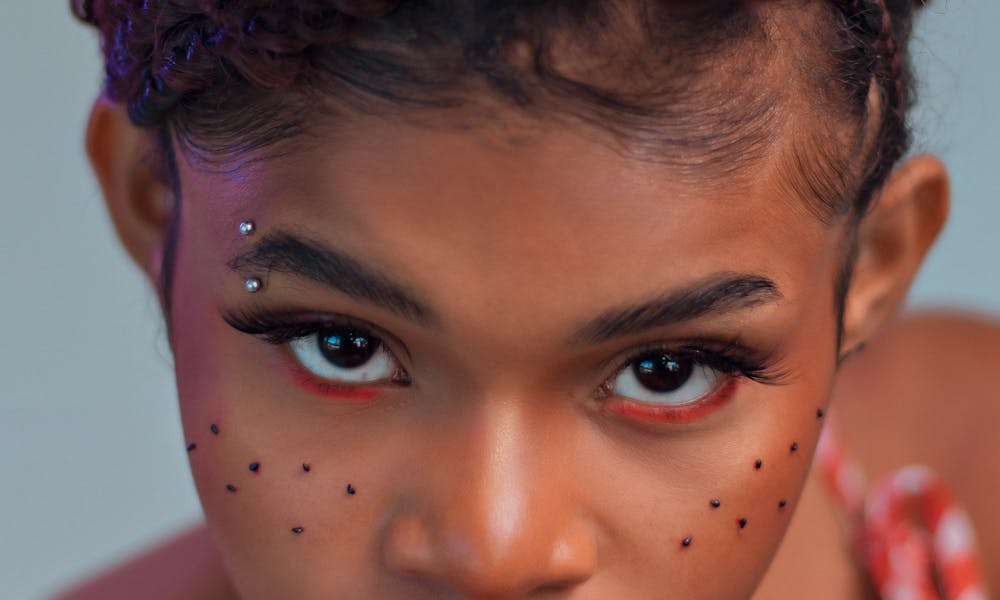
(312, 385)
(687, 413)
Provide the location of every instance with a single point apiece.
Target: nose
(494, 515)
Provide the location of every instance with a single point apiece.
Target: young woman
(544, 299)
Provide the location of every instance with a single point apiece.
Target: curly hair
(675, 81)
(235, 76)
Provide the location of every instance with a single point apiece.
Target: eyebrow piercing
(247, 227)
(253, 285)
(715, 503)
(214, 428)
(297, 530)
(350, 489)
(231, 488)
(757, 464)
(743, 522)
(687, 541)
(191, 447)
(255, 467)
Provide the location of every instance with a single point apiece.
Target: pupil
(347, 348)
(662, 373)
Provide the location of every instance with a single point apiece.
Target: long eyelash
(733, 359)
(281, 328)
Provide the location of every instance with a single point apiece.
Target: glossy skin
(497, 473)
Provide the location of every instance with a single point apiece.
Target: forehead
(473, 217)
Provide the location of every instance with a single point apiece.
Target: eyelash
(281, 328)
(730, 358)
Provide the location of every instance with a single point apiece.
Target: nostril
(406, 547)
(445, 559)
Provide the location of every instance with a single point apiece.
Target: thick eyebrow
(284, 252)
(720, 294)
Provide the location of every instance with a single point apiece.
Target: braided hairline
(868, 15)
(152, 90)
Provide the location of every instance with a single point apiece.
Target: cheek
(714, 506)
(287, 483)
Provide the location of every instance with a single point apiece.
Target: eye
(346, 354)
(659, 378)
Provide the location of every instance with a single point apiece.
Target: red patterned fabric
(913, 538)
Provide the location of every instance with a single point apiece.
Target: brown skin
(812, 559)
(497, 474)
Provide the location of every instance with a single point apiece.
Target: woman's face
(498, 370)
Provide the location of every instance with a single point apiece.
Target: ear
(140, 204)
(893, 240)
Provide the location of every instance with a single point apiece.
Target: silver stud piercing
(247, 227)
(253, 285)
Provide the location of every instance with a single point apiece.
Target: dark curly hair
(677, 82)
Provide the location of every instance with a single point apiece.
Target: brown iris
(661, 372)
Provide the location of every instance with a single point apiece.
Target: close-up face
(540, 314)
(416, 362)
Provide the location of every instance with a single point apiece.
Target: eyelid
(741, 360)
(280, 326)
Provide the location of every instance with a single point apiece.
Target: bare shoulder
(185, 566)
(927, 391)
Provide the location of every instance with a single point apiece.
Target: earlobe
(139, 202)
(892, 241)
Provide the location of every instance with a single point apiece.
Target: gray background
(91, 453)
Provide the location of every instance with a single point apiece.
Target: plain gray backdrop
(91, 453)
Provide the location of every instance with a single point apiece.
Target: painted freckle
(743, 523)
(214, 428)
(687, 541)
(350, 489)
(297, 530)
(782, 504)
(819, 413)
(255, 467)
(715, 503)
(231, 488)
(758, 464)
(306, 467)
(794, 447)
(191, 447)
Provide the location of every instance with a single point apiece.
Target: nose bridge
(496, 517)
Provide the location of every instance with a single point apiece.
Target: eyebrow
(719, 294)
(288, 253)
(285, 252)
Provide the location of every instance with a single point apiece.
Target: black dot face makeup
(687, 541)
(297, 530)
(782, 504)
(715, 503)
(743, 523)
(350, 489)
(254, 467)
(214, 429)
(306, 467)
(819, 413)
(757, 464)
(231, 488)
(191, 447)
(794, 447)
